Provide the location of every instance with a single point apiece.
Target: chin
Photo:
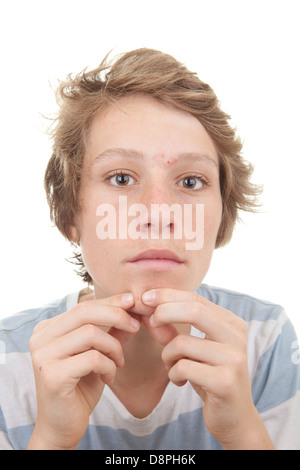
(140, 308)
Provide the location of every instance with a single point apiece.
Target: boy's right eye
(119, 178)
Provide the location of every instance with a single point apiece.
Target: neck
(143, 363)
(140, 384)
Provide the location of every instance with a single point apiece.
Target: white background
(248, 51)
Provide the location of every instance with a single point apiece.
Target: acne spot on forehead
(171, 161)
(162, 161)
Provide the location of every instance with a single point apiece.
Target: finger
(101, 312)
(200, 375)
(92, 361)
(205, 379)
(121, 335)
(82, 339)
(186, 312)
(163, 334)
(42, 324)
(189, 312)
(158, 296)
(65, 374)
(216, 322)
(196, 349)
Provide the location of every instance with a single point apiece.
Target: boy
(151, 358)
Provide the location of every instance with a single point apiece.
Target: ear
(73, 234)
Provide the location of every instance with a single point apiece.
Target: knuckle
(101, 362)
(244, 330)
(241, 334)
(32, 344)
(37, 361)
(181, 342)
(94, 357)
(119, 315)
(243, 325)
(117, 346)
(226, 383)
(113, 349)
(238, 361)
(180, 367)
(90, 331)
(40, 326)
(113, 368)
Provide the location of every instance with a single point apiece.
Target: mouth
(157, 260)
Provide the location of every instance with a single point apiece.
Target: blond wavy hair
(159, 75)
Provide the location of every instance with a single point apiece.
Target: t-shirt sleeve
(276, 387)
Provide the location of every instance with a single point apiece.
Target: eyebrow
(136, 155)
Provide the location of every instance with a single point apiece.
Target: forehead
(150, 128)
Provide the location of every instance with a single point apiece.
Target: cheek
(100, 258)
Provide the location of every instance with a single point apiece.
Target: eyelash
(202, 179)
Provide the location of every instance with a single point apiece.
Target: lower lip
(156, 264)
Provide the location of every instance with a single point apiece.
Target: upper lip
(157, 254)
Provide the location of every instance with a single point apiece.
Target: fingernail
(127, 299)
(151, 320)
(148, 296)
(135, 323)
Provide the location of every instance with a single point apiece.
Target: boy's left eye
(192, 182)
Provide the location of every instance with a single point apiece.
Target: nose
(161, 214)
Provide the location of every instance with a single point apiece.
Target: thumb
(163, 334)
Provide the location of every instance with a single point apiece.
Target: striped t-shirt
(177, 421)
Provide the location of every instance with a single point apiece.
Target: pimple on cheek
(162, 161)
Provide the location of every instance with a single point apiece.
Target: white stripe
(175, 401)
(17, 391)
(282, 424)
(17, 398)
(72, 300)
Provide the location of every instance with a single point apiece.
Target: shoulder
(268, 325)
(245, 306)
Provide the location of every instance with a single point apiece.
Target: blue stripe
(20, 436)
(2, 422)
(187, 432)
(242, 305)
(16, 331)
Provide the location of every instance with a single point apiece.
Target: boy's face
(165, 156)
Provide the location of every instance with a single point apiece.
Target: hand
(74, 355)
(216, 366)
